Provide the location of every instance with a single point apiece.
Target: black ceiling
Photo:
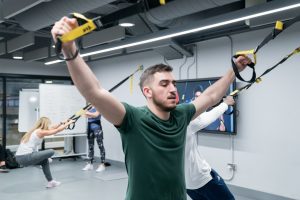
(150, 17)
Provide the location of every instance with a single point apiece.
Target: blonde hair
(43, 123)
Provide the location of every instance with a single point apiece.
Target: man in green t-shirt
(153, 136)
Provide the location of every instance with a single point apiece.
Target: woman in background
(28, 154)
(95, 131)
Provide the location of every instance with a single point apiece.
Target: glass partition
(13, 87)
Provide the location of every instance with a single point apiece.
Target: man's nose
(173, 88)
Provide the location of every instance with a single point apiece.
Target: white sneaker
(88, 167)
(52, 184)
(100, 168)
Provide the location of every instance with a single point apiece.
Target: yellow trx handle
(162, 2)
(87, 26)
(131, 84)
(258, 80)
(296, 51)
(140, 68)
(233, 93)
(248, 53)
(279, 25)
(83, 110)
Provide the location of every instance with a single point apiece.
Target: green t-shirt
(154, 152)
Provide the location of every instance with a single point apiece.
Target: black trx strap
(236, 92)
(258, 79)
(88, 25)
(279, 28)
(83, 110)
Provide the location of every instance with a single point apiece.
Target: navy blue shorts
(215, 189)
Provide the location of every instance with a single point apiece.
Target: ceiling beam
(20, 42)
(12, 8)
(18, 31)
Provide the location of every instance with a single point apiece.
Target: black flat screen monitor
(186, 91)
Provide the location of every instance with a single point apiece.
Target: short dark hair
(149, 72)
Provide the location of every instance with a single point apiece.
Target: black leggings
(95, 131)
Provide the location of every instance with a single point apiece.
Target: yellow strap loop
(247, 53)
(80, 112)
(296, 50)
(258, 80)
(234, 92)
(279, 25)
(131, 84)
(162, 2)
(84, 29)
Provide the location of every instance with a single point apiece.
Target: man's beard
(162, 106)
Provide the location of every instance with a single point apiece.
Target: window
(10, 87)
(13, 87)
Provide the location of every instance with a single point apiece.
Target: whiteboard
(28, 109)
(60, 102)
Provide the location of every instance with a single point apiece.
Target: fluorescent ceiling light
(17, 57)
(185, 32)
(126, 24)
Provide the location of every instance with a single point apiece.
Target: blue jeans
(215, 189)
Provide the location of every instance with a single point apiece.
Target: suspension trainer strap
(87, 25)
(259, 79)
(251, 65)
(278, 28)
(83, 110)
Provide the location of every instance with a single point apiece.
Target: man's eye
(164, 84)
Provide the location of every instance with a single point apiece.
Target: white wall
(268, 139)
(267, 142)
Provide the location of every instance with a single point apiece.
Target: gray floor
(29, 184)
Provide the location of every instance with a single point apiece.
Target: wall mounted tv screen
(186, 91)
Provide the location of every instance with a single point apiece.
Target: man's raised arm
(213, 94)
(85, 80)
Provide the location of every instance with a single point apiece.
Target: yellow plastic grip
(279, 25)
(296, 50)
(247, 53)
(258, 80)
(84, 29)
(234, 92)
(162, 2)
(131, 84)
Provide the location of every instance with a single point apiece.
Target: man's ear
(147, 92)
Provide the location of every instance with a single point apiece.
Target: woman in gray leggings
(27, 153)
